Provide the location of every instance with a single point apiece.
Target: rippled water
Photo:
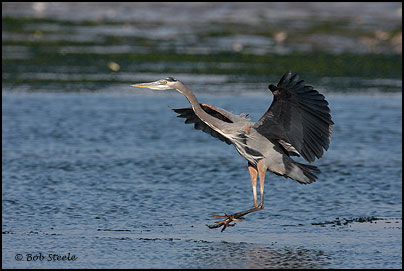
(108, 177)
(119, 181)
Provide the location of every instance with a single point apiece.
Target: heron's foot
(228, 219)
(233, 217)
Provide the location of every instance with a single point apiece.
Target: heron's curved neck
(211, 121)
(189, 95)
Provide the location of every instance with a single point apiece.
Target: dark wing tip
(285, 78)
(290, 81)
(272, 87)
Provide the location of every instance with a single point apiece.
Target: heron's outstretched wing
(298, 115)
(214, 111)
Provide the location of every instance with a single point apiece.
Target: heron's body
(297, 123)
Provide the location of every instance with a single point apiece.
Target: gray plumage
(298, 123)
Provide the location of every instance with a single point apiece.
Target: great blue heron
(298, 123)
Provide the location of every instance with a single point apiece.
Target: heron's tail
(303, 173)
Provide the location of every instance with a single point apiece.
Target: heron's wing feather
(288, 148)
(299, 115)
(191, 117)
(224, 115)
(214, 110)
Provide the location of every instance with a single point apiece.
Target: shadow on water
(244, 255)
(125, 248)
(192, 253)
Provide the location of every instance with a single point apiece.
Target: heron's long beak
(144, 85)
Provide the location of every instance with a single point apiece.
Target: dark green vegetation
(316, 64)
(59, 47)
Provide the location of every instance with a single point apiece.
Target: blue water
(112, 179)
(118, 181)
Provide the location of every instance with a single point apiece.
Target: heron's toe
(226, 222)
(219, 216)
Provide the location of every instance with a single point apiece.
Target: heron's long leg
(262, 170)
(253, 174)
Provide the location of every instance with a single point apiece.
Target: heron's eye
(165, 82)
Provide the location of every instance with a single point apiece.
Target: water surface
(119, 181)
(108, 177)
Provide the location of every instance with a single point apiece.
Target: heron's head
(162, 84)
